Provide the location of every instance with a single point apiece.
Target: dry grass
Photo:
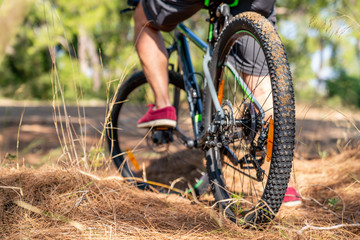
(105, 208)
(68, 204)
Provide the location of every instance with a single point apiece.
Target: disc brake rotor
(229, 113)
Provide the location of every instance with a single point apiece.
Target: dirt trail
(38, 137)
(319, 132)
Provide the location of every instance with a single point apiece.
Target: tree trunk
(358, 51)
(12, 15)
(321, 66)
(89, 58)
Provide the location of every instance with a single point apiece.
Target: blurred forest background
(85, 47)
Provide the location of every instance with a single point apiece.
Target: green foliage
(72, 81)
(10, 157)
(318, 25)
(238, 201)
(333, 201)
(346, 87)
(27, 70)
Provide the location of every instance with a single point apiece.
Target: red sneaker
(164, 117)
(291, 198)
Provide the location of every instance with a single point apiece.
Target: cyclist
(153, 16)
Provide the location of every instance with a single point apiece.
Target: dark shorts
(164, 15)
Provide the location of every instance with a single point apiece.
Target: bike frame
(191, 85)
(201, 121)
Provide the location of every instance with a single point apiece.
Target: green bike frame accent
(211, 29)
(196, 186)
(235, 3)
(198, 117)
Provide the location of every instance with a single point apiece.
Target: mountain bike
(247, 134)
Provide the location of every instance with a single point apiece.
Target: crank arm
(190, 143)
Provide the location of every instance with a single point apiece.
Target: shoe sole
(292, 203)
(158, 123)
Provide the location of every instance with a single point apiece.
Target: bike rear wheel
(249, 173)
(156, 155)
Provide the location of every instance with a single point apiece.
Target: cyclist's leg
(249, 59)
(150, 18)
(153, 56)
(255, 73)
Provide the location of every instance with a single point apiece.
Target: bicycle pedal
(162, 128)
(162, 135)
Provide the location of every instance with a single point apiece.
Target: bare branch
(308, 227)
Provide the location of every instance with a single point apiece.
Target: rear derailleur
(248, 133)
